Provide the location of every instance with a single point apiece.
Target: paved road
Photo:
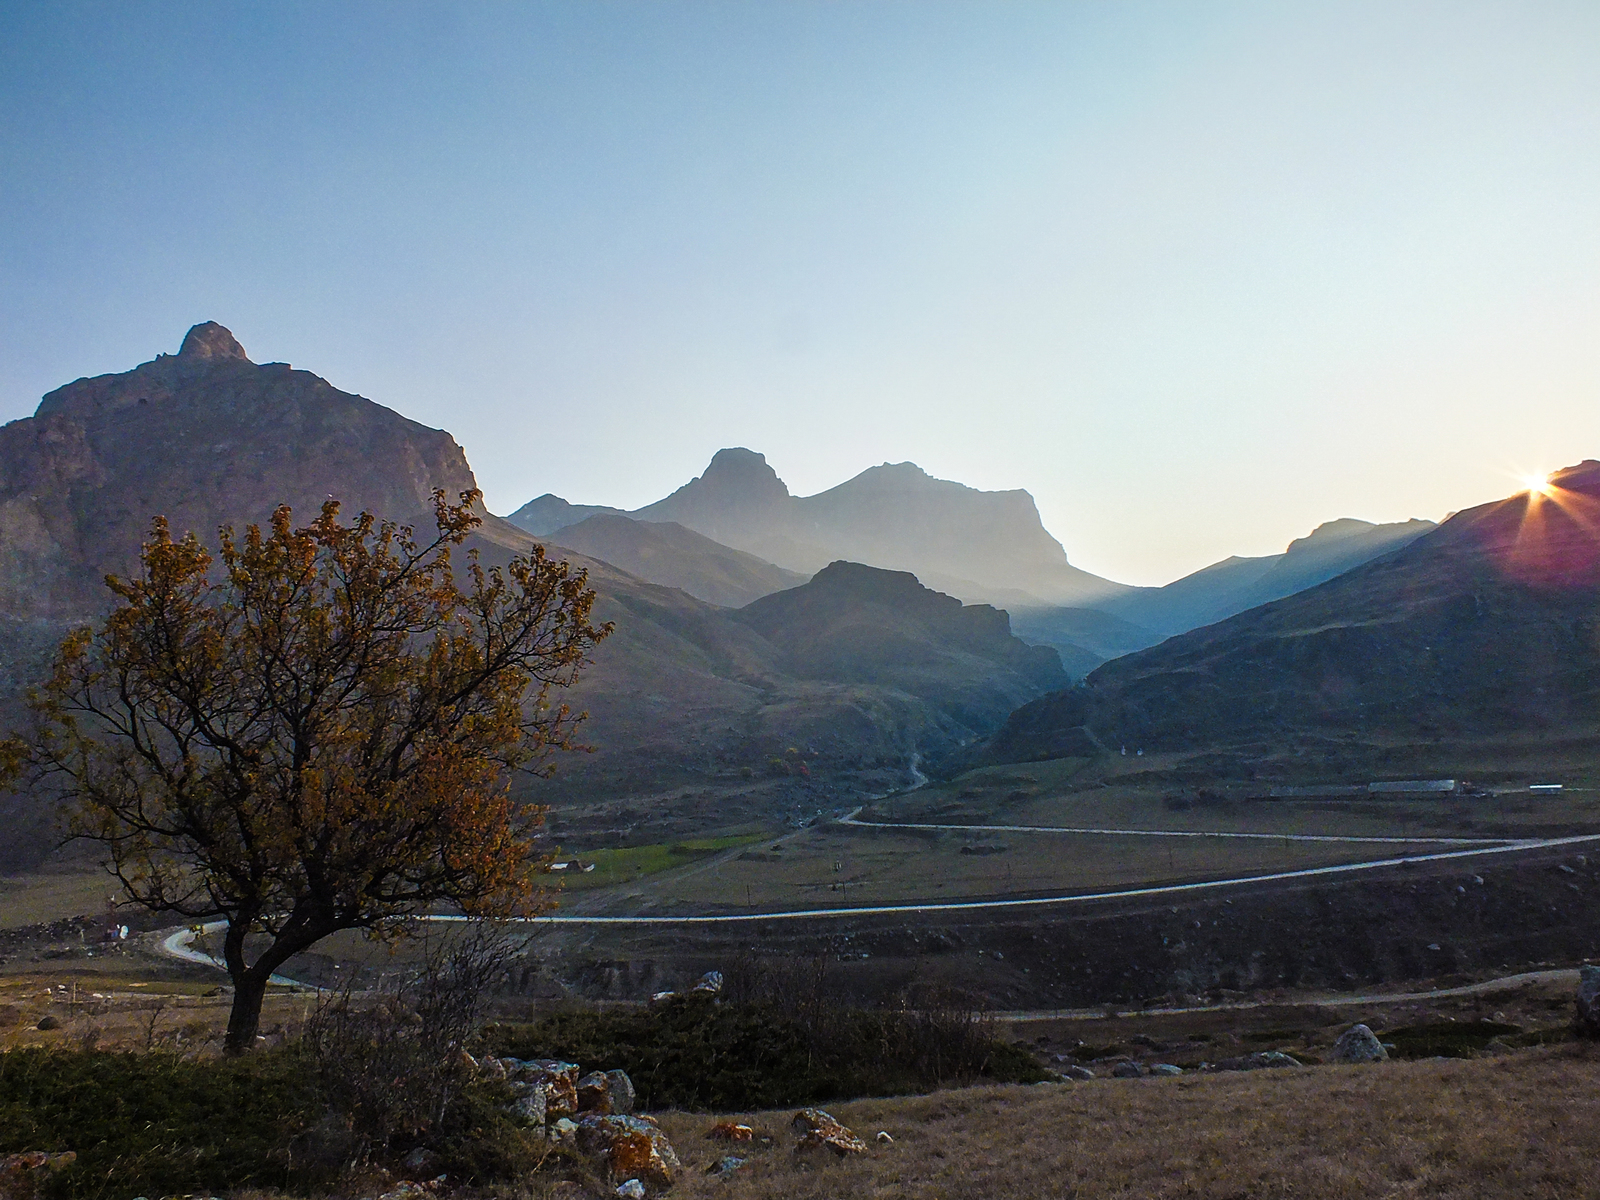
(1181, 833)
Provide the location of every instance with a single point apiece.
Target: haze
(1198, 277)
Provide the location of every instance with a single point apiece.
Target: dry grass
(1523, 1125)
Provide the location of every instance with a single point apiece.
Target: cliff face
(205, 437)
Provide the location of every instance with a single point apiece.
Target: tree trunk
(249, 990)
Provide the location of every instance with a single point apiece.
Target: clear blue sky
(1197, 275)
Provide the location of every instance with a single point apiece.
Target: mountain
(548, 513)
(1083, 637)
(985, 547)
(1236, 584)
(853, 622)
(667, 553)
(685, 693)
(1485, 629)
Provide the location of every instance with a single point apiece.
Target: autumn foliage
(317, 729)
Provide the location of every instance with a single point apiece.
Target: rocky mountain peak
(743, 472)
(208, 340)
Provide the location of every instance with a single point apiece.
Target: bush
(781, 1037)
(155, 1124)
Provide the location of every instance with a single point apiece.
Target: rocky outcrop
(629, 1147)
(1358, 1044)
(818, 1130)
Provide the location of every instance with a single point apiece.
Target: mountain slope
(1487, 627)
(1235, 584)
(666, 553)
(547, 513)
(857, 623)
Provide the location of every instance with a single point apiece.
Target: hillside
(854, 622)
(1486, 627)
(665, 552)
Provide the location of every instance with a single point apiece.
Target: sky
(1198, 276)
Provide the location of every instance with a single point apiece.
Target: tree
(319, 734)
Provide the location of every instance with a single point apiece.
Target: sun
(1537, 483)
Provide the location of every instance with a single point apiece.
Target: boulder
(1358, 1044)
(529, 1108)
(1126, 1070)
(1587, 1016)
(1166, 1069)
(819, 1131)
(724, 1165)
(594, 1093)
(630, 1189)
(710, 983)
(730, 1131)
(1076, 1071)
(629, 1147)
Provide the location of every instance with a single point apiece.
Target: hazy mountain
(853, 622)
(548, 513)
(683, 691)
(985, 547)
(1486, 627)
(1236, 584)
(1084, 637)
(667, 553)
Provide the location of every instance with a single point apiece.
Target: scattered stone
(818, 1130)
(730, 1131)
(710, 983)
(1126, 1070)
(662, 997)
(563, 1128)
(48, 1022)
(631, 1189)
(1358, 1044)
(884, 1138)
(1588, 1002)
(1074, 1071)
(630, 1147)
(724, 1165)
(1166, 1069)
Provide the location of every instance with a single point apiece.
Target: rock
(710, 983)
(558, 1080)
(594, 1093)
(1587, 1017)
(530, 1107)
(630, 1147)
(210, 340)
(818, 1131)
(22, 1175)
(1358, 1044)
(1074, 1071)
(1257, 1061)
(884, 1138)
(725, 1164)
(563, 1128)
(662, 997)
(631, 1189)
(623, 1096)
(419, 1160)
(730, 1131)
(48, 1023)
(1496, 1046)
(1126, 1070)
(492, 1068)
(1166, 1069)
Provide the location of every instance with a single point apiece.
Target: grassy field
(52, 893)
(1525, 1125)
(835, 865)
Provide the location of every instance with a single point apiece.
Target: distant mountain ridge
(1486, 627)
(981, 546)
